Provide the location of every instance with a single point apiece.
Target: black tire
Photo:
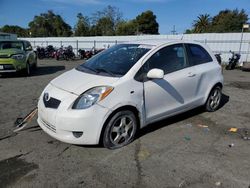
(28, 69)
(214, 99)
(35, 66)
(120, 130)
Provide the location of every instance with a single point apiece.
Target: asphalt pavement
(193, 149)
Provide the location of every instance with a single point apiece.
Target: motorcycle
(68, 53)
(233, 61)
(82, 53)
(65, 53)
(40, 52)
(49, 51)
(218, 57)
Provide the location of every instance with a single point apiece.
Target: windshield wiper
(89, 68)
(104, 70)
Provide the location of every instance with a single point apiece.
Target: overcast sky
(180, 13)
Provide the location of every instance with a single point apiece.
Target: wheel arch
(211, 88)
(121, 108)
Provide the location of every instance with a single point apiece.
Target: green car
(17, 56)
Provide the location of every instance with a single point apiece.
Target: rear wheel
(214, 99)
(120, 130)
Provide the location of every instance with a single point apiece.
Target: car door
(200, 59)
(176, 91)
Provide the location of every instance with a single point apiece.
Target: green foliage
(202, 24)
(226, 21)
(109, 22)
(146, 23)
(105, 22)
(49, 25)
(229, 21)
(127, 28)
(21, 32)
(82, 27)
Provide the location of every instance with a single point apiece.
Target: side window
(169, 59)
(27, 45)
(197, 54)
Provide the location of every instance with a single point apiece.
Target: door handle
(190, 74)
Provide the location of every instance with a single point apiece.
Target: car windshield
(11, 44)
(115, 61)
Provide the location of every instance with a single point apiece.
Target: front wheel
(120, 130)
(214, 99)
(28, 70)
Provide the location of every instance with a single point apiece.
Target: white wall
(8, 36)
(219, 43)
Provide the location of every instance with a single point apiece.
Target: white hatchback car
(126, 87)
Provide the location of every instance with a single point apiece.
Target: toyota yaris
(126, 87)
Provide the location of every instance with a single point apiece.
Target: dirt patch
(240, 85)
(13, 169)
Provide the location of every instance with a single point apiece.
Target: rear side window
(197, 54)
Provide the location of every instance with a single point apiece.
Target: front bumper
(11, 65)
(60, 123)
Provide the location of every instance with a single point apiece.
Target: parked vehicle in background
(126, 87)
(233, 61)
(17, 56)
(65, 53)
(81, 53)
(68, 53)
(48, 52)
(218, 57)
(40, 51)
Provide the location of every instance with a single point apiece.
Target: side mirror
(29, 48)
(155, 74)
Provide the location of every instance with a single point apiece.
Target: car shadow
(177, 118)
(44, 70)
(169, 89)
(40, 71)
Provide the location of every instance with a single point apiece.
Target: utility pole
(245, 26)
(173, 31)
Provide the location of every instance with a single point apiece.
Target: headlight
(17, 56)
(90, 97)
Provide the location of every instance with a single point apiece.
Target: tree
(105, 22)
(82, 27)
(49, 25)
(225, 21)
(104, 27)
(229, 21)
(146, 23)
(126, 28)
(202, 24)
(19, 31)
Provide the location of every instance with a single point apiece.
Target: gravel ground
(176, 152)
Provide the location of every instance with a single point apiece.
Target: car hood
(9, 52)
(77, 82)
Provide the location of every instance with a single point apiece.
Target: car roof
(12, 40)
(159, 42)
